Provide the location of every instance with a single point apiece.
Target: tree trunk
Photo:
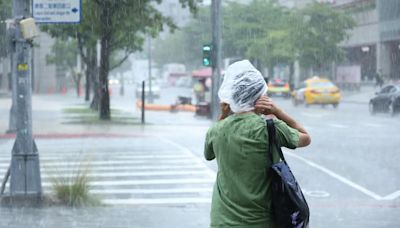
(270, 71)
(291, 75)
(88, 76)
(94, 78)
(106, 35)
(78, 85)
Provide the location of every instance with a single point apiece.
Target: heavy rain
(105, 106)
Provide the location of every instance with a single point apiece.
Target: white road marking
(113, 162)
(338, 126)
(162, 173)
(46, 169)
(211, 172)
(111, 156)
(373, 125)
(157, 201)
(151, 191)
(126, 174)
(146, 182)
(392, 196)
(318, 115)
(345, 180)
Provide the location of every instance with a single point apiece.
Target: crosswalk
(125, 171)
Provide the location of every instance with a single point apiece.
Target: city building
(374, 42)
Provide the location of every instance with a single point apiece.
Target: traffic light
(207, 55)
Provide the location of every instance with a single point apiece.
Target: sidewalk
(58, 140)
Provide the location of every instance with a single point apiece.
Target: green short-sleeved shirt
(241, 196)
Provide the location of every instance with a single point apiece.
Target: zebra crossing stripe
(151, 191)
(156, 201)
(114, 162)
(146, 182)
(130, 177)
(198, 166)
(117, 157)
(126, 174)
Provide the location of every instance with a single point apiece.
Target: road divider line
(392, 196)
(336, 176)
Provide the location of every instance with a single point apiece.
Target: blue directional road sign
(57, 11)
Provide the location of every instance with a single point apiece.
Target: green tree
(118, 30)
(64, 55)
(86, 36)
(184, 45)
(317, 31)
(119, 26)
(261, 34)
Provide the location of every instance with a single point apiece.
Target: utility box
(28, 28)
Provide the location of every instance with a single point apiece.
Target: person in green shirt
(238, 141)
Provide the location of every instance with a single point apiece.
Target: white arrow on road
(346, 181)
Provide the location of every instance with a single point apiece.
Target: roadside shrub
(74, 190)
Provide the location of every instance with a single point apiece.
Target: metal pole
(216, 60)
(150, 92)
(25, 180)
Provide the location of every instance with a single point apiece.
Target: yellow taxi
(316, 90)
(278, 87)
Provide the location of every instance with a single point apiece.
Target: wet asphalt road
(349, 174)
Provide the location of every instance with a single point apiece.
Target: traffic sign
(57, 11)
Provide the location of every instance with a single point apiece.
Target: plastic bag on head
(243, 84)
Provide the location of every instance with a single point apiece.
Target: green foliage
(120, 26)
(264, 31)
(251, 35)
(64, 53)
(185, 44)
(317, 30)
(74, 191)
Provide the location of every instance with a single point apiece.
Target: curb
(158, 107)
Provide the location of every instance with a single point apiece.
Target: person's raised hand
(265, 105)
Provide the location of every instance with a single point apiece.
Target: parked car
(316, 90)
(278, 87)
(386, 100)
(155, 89)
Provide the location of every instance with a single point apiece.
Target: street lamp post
(25, 180)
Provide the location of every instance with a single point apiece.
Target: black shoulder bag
(289, 207)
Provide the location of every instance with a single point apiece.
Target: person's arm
(265, 106)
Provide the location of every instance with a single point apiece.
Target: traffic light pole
(25, 180)
(216, 58)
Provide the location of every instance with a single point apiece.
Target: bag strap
(272, 140)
